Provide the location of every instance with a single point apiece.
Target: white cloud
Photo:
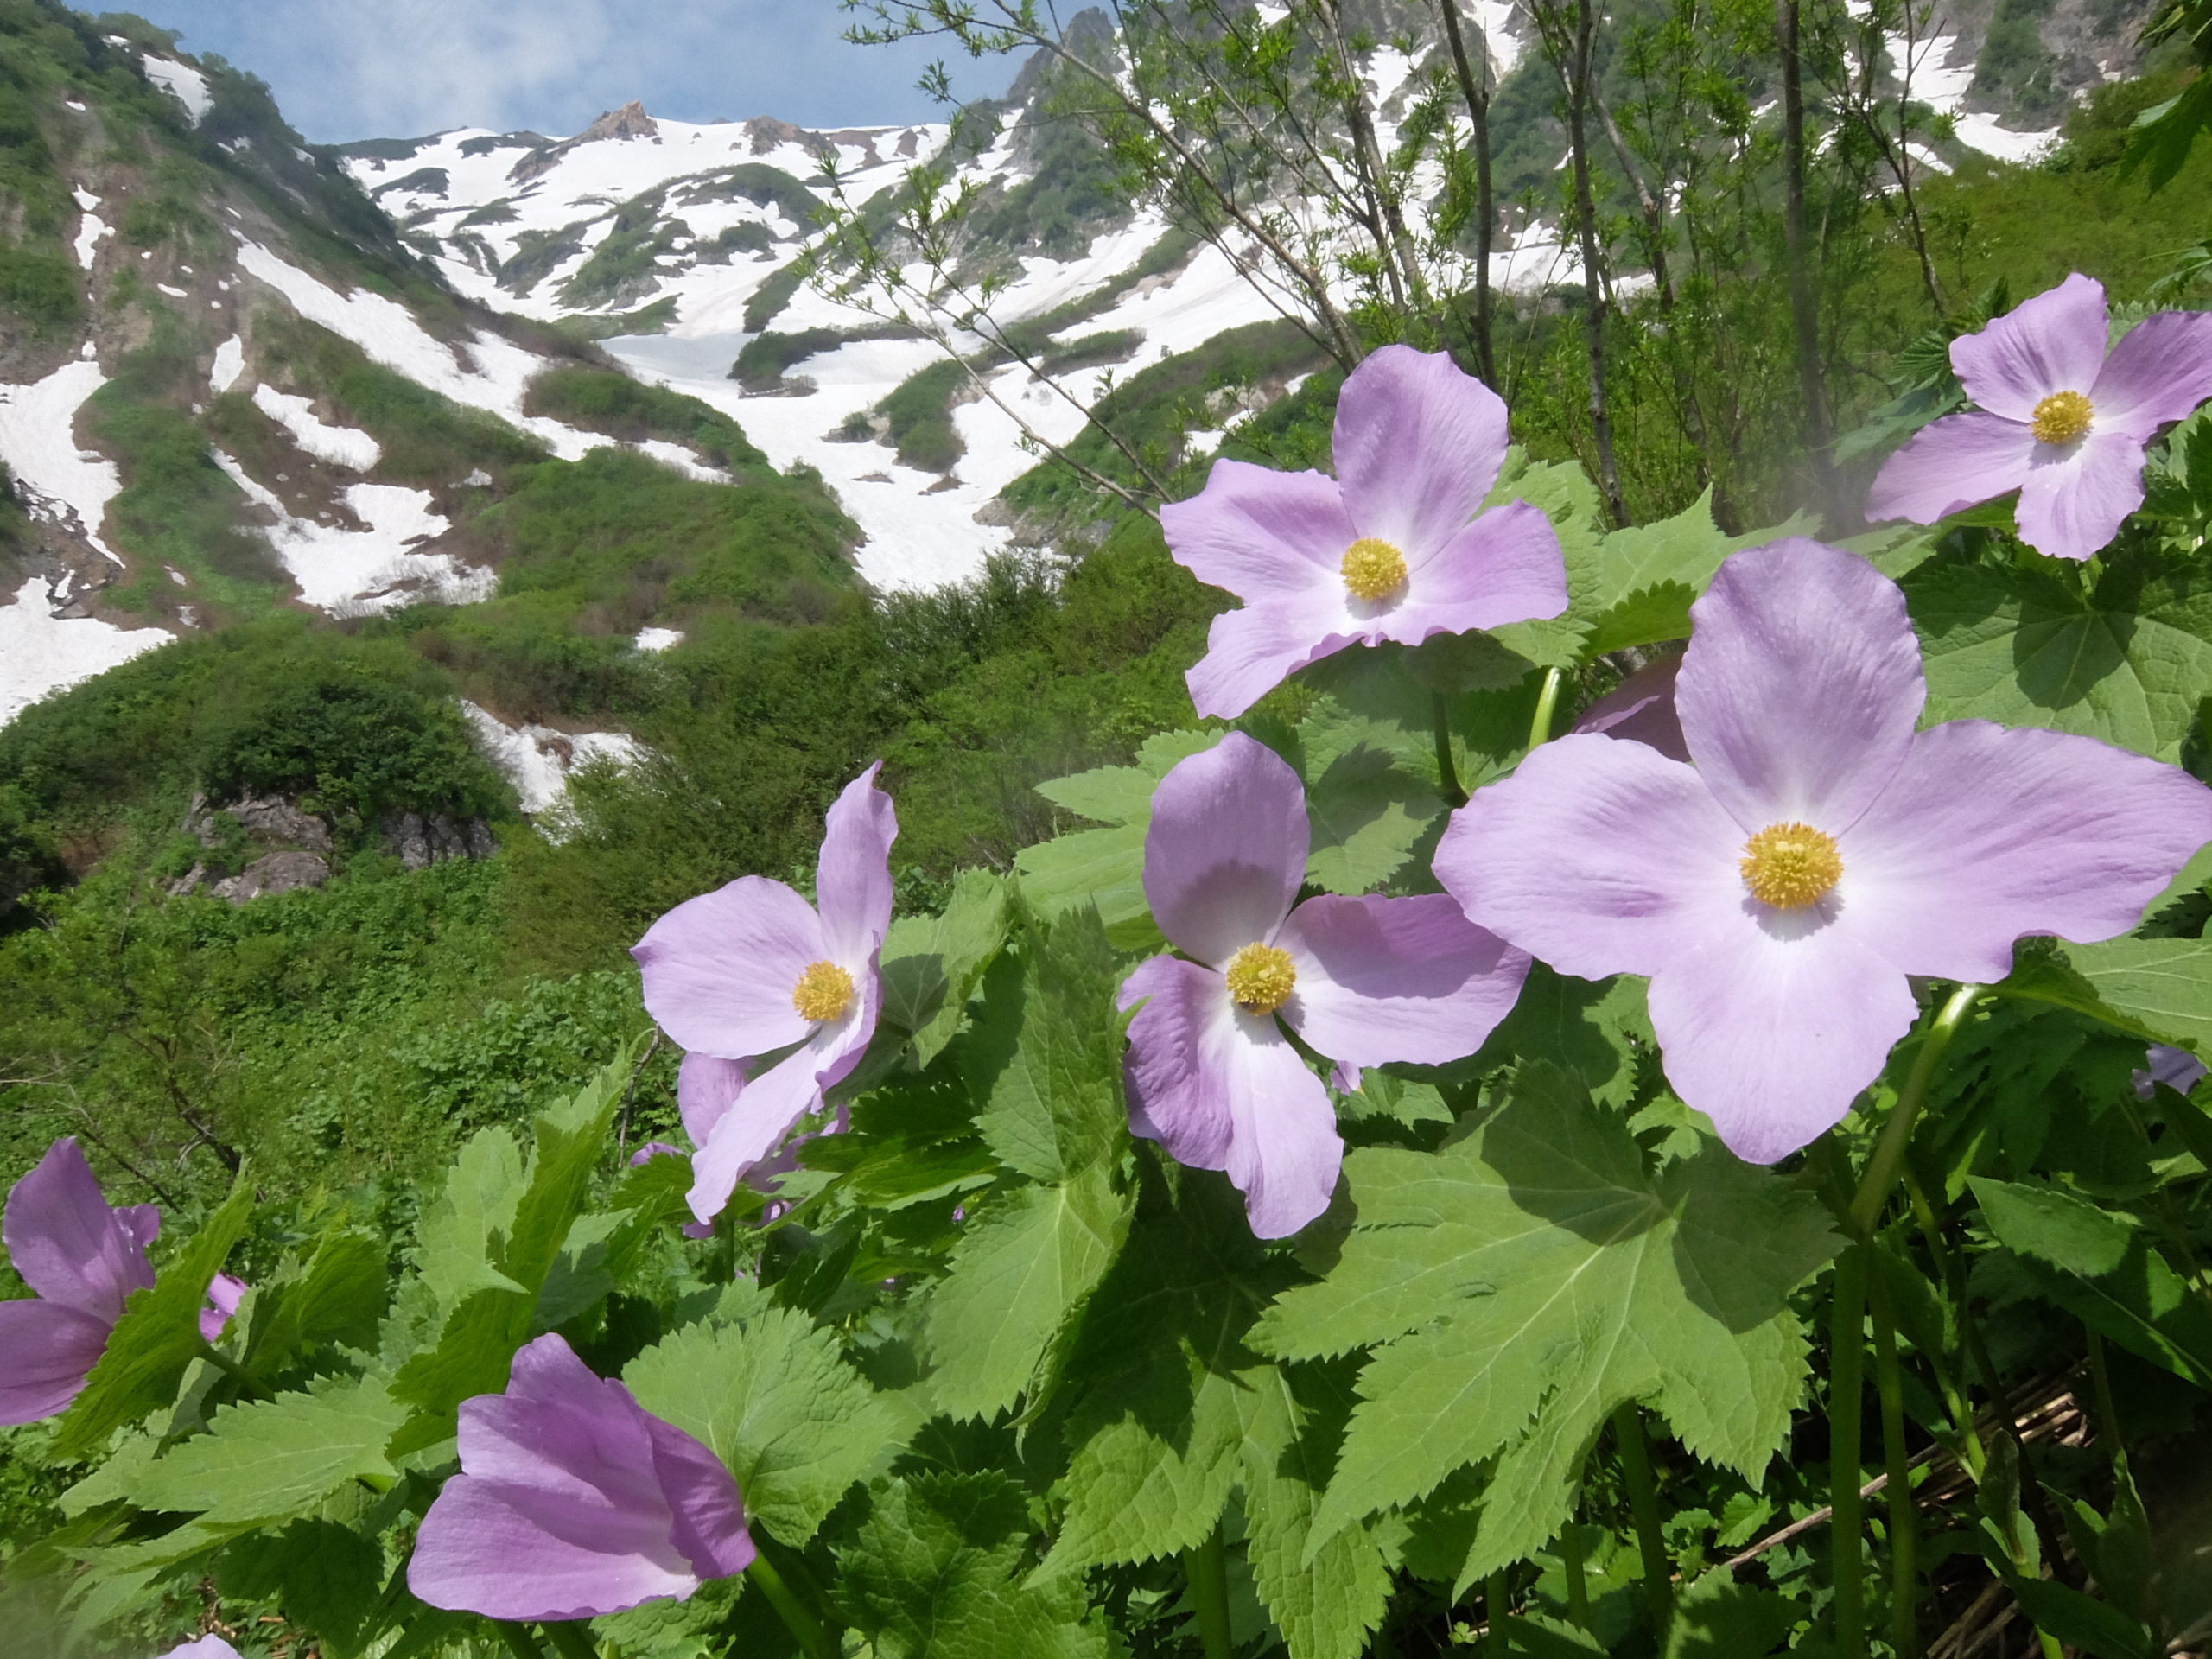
(343, 70)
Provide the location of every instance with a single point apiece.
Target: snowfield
(42, 651)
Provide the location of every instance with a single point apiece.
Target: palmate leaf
(329, 1578)
(2158, 989)
(266, 1460)
(1024, 1265)
(1521, 1284)
(2128, 664)
(931, 964)
(157, 1339)
(933, 1573)
(775, 1399)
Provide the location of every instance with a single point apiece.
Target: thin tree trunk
(1804, 312)
(1399, 254)
(1593, 293)
(1475, 88)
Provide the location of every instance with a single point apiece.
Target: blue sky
(347, 69)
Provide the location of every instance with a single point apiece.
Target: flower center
(1261, 978)
(1790, 865)
(2063, 417)
(823, 992)
(1373, 569)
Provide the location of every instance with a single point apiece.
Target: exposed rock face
(285, 872)
(269, 818)
(631, 121)
(419, 842)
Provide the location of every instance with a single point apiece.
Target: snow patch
(187, 85)
(376, 569)
(58, 482)
(537, 759)
(658, 638)
(90, 229)
(42, 652)
(230, 364)
(342, 446)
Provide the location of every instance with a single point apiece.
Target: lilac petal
(1261, 534)
(706, 1086)
(1771, 1024)
(207, 1647)
(66, 1244)
(1410, 980)
(1951, 464)
(708, 1511)
(1593, 856)
(750, 1129)
(852, 884)
(1418, 446)
(1223, 1089)
(2073, 505)
(507, 1553)
(1986, 835)
(1173, 1098)
(653, 1149)
(225, 1292)
(2160, 371)
(1641, 709)
(1801, 687)
(1505, 566)
(46, 1350)
(2176, 1067)
(2054, 342)
(719, 970)
(1226, 848)
(1252, 650)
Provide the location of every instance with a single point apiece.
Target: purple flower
(573, 1501)
(2176, 1067)
(652, 1150)
(753, 970)
(1384, 551)
(223, 1295)
(2060, 420)
(1362, 981)
(83, 1259)
(207, 1647)
(1779, 890)
(1642, 708)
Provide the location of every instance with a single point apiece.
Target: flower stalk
(1847, 1379)
(1889, 1386)
(1206, 1569)
(570, 1639)
(1540, 724)
(1447, 775)
(1643, 1506)
(799, 1618)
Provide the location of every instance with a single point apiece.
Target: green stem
(569, 1640)
(1644, 1505)
(1448, 774)
(1539, 728)
(1497, 1607)
(1846, 1357)
(1206, 1568)
(799, 1618)
(1896, 1133)
(520, 1642)
(2108, 1416)
(1904, 1522)
(1971, 1451)
(1578, 1582)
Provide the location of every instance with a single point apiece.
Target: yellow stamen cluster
(2063, 417)
(823, 992)
(1790, 865)
(1373, 569)
(1261, 978)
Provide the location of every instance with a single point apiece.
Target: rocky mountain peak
(631, 121)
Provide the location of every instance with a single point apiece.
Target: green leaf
(522, 1224)
(1105, 868)
(464, 1233)
(1593, 1030)
(934, 1574)
(1718, 1618)
(1647, 575)
(1367, 814)
(2158, 989)
(1524, 1282)
(1044, 1057)
(337, 1297)
(2132, 1295)
(2095, 1627)
(2054, 1227)
(262, 1461)
(1563, 492)
(329, 1578)
(1024, 1265)
(777, 1402)
(1168, 1387)
(1326, 1596)
(2127, 664)
(931, 964)
(158, 1337)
